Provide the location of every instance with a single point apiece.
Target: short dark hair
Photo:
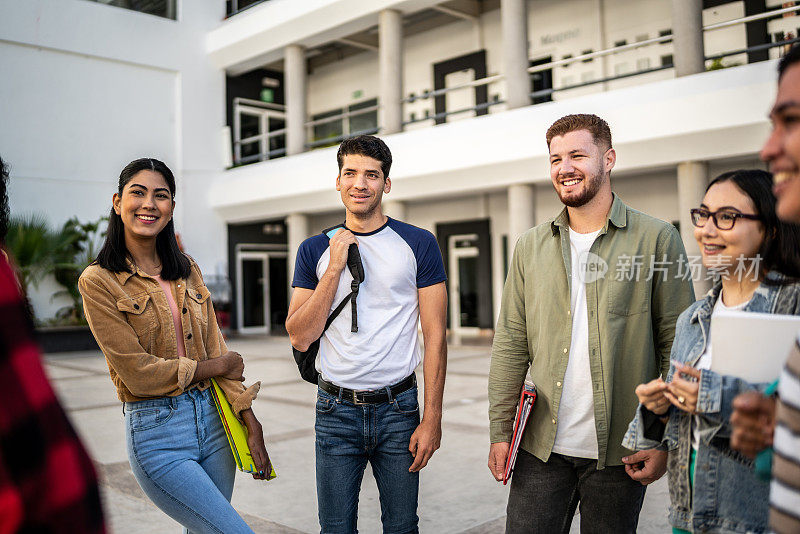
(114, 254)
(790, 58)
(780, 250)
(366, 145)
(4, 209)
(601, 132)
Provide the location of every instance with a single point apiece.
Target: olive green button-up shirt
(638, 280)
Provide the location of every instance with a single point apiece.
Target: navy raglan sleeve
(305, 267)
(430, 267)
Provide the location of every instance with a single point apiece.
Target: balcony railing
(712, 62)
(360, 118)
(264, 128)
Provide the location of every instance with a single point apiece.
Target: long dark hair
(114, 254)
(780, 250)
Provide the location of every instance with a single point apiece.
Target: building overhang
(259, 35)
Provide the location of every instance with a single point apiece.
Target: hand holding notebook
(526, 400)
(237, 434)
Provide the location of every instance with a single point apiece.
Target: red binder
(526, 400)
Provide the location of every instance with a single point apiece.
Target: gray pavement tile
(93, 361)
(103, 433)
(131, 515)
(475, 414)
(460, 388)
(59, 372)
(92, 391)
(478, 365)
(278, 418)
(457, 493)
(297, 393)
(270, 371)
(289, 499)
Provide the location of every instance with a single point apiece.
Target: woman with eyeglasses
(757, 261)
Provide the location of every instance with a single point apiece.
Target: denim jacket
(727, 495)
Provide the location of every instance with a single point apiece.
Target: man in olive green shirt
(590, 306)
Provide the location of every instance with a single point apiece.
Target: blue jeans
(544, 496)
(180, 456)
(349, 436)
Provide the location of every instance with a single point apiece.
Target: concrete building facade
(247, 108)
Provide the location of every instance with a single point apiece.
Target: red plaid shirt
(47, 482)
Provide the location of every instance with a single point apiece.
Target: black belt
(375, 396)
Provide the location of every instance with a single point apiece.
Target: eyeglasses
(723, 219)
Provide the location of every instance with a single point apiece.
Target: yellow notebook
(236, 432)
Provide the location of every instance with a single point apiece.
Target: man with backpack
(367, 409)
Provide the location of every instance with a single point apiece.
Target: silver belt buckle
(355, 398)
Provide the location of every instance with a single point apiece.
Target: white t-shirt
(704, 362)
(398, 260)
(576, 434)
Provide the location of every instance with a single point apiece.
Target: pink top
(176, 317)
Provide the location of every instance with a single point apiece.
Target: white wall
(332, 86)
(67, 134)
(86, 88)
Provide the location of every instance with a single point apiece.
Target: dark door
(278, 293)
(542, 81)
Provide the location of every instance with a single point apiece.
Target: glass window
(160, 8)
(250, 127)
(234, 6)
(327, 130)
(257, 131)
(357, 122)
(365, 122)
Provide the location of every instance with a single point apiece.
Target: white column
(395, 209)
(521, 213)
(390, 66)
(514, 21)
(687, 37)
(692, 183)
(603, 44)
(295, 82)
(297, 232)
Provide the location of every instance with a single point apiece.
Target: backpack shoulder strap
(356, 268)
(335, 313)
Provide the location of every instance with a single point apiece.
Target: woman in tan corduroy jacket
(152, 316)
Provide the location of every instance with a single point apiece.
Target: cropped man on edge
(755, 417)
(590, 304)
(367, 408)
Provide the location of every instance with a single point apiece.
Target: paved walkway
(457, 495)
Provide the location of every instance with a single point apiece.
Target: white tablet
(752, 346)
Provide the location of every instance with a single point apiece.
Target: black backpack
(306, 360)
